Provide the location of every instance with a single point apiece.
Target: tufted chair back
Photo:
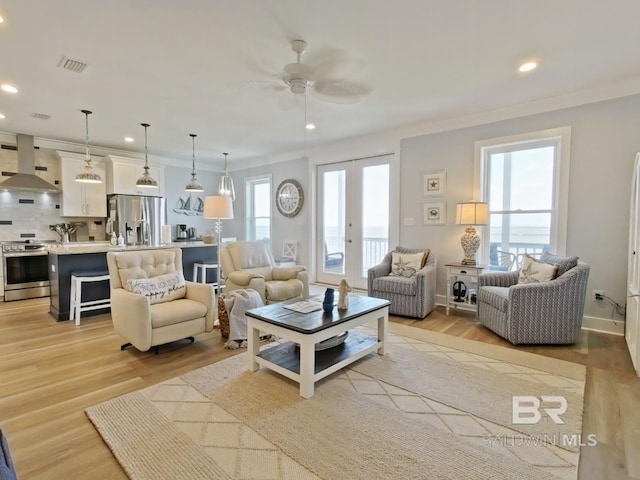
(142, 264)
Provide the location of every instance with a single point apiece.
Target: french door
(353, 219)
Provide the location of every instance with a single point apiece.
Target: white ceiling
(187, 66)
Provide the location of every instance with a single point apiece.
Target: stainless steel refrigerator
(137, 218)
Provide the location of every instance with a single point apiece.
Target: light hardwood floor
(52, 371)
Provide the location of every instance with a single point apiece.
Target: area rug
(435, 407)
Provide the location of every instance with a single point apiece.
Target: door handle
(349, 241)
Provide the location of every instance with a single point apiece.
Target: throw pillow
(405, 264)
(564, 264)
(533, 271)
(163, 288)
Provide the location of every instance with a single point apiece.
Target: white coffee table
(304, 364)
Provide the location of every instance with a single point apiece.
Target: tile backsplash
(29, 214)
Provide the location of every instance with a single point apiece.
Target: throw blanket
(242, 301)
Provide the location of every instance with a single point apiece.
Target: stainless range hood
(26, 178)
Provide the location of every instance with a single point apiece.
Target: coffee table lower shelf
(287, 356)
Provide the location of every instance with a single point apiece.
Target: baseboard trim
(604, 325)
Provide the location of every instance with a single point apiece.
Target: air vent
(41, 116)
(72, 65)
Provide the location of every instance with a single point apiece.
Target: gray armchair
(535, 313)
(409, 296)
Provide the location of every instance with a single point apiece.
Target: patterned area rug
(435, 407)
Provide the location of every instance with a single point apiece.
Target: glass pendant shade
(87, 174)
(146, 180)
(193, 185)
(225, 185)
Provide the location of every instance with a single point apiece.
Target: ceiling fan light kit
(298, 76)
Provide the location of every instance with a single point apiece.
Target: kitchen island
(66, 258)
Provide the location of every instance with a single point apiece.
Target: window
(525, 181)
(259, 208)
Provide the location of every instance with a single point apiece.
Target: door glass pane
(334, 221)
(375, 215)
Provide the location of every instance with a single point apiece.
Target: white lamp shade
(472, 213)
(218, 206)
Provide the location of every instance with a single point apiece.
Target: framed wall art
(434, 183)
(435, 213)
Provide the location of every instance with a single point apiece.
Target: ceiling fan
(332, 80)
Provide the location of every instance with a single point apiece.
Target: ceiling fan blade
(339, 68)
(264, 85)
(342, 92)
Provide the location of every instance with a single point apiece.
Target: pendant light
(88, 174)
(146, 181)
(193, 185)
(225, 186)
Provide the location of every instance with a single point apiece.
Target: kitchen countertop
(98, 247)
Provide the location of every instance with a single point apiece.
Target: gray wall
(282, 228)
(605, 138)
(175, 179)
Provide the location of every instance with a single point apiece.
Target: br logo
(526, 409)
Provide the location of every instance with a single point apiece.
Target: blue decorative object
(327, 304)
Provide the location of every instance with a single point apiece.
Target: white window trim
(248, 182)
(560, 205)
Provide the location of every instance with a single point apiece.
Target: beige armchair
(251, 265)
(152, 304)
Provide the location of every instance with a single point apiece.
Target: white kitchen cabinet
(632, 324)
(82, 199)
(122, 174)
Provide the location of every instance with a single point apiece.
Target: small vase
(327, 304)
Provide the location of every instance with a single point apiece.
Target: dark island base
(62, 266)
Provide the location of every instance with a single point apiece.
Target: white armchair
(152, 304)
(251, 265)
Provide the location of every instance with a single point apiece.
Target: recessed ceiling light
(1, 19)
(128, 139)
(527, 67)
(310, 126)
(2, 116)
(9, 88)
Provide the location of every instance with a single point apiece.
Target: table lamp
(471, 214)
(221, 208)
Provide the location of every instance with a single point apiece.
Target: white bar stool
(202, 268)
(76, 305)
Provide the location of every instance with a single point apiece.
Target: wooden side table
(455, 270)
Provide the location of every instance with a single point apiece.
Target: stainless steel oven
(26, 270)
